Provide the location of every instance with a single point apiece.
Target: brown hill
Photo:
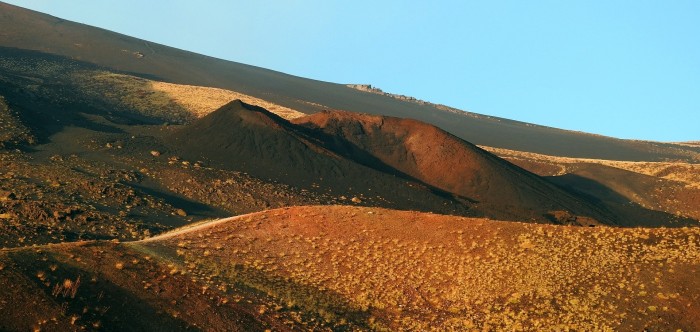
(399, 270)
(89, 153)
(357, 268)
(640, 191)
(379, 156)
(25, 29)
(242, 137)
(439, 159)
(106, 286)
(77, 163)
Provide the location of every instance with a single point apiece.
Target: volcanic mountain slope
(51, 98)
(437, 158)
(670, 187)
(358, 268)
(413, 271)
(86, 136)
(378, 156)
(624, 191)
(59, 89)
(242, 137)
(106, 286)
(25, 29)
(82, 157)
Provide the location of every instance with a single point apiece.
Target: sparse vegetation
(408, 271)
(687, 173)
(87, 173)
(172, 102)
(675, 189)
(67, 288)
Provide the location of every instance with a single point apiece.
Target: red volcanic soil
(402, 270)
(639, 199)
(242, 137)
(433, 156)
(358, 268)
(106, 286)
(397, 160)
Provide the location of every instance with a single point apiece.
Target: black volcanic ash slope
(248, 138)
(25, 29)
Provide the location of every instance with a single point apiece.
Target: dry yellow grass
(203, 100)
(691, 143)
(397, 270)
(174, 102)
(687, 173)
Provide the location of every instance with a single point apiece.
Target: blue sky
(628, 69)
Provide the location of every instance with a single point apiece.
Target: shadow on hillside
(329, 305)
(353, 152)
(190, 206)
(240, 137)
(111, 307)
(629, 214)
(48, 96)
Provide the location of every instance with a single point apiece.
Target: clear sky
(623, 68)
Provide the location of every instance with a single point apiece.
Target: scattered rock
(356, 200)
(155, 153)
(181, 213)
(7, 196)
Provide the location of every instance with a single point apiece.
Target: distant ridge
(25, 29)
